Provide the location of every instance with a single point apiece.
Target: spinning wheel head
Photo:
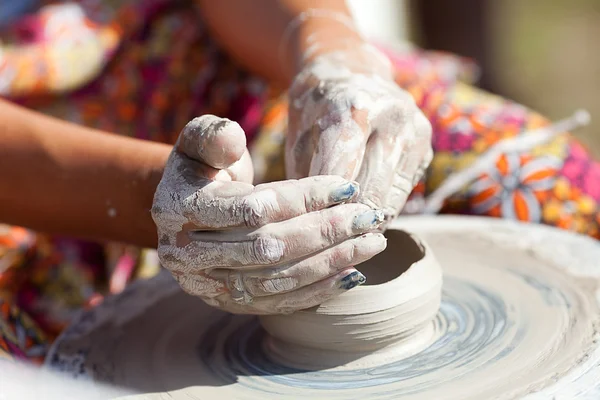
(518, 318)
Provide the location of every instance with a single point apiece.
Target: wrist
(357, 59)
(314, 33)
(318, 40)
(328, 37)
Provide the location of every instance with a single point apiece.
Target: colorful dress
(144, 68)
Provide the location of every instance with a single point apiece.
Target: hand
(272, 248)
(349, 118)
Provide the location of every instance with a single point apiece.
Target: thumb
(216, 142)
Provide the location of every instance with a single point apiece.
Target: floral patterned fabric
(144, 68)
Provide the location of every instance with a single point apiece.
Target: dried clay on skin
(227, 241)
(348, 117)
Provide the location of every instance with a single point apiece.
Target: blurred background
(544, 54)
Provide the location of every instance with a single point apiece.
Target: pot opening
(402, 251)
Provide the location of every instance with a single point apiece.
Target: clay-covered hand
(349, 118)
(266, 249)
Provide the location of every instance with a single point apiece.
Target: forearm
(251, 31)
(61, 178)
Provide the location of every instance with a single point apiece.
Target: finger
(420, 174)
(341, 144)
(300, 143)
(280, 242)
(221, 205)
(424, 149)
(304, 128)
(387, 146)
(179, 192)
(399, 192)
(411, 168)
(217, 142)
(270, 281)
(298, 151)
(303, 298)
(242, 170)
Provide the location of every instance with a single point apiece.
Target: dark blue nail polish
(344, 192)
(352, 280)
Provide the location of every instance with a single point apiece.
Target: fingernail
(368, 220)
(344, 192)
(352, 280)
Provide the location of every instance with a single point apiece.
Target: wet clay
(387, 318)
(518, 318)
(404, 252)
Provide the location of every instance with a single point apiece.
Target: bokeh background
(542, 53)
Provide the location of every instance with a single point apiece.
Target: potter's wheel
(518, 319)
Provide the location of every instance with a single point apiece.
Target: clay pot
(387, 318)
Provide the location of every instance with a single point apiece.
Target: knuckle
(327, 226)
(402, 181)
(199, 284)
(276, 285)
(339, 256)
(394, 206)
(307, 202)
(253, 211)
(266, 250)
(264, 286)
(352, 252)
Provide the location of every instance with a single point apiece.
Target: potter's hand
(271, 248)
(349, 118)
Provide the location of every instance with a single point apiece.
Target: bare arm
(251, 31)
(61, 178)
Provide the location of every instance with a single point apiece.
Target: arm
(347, 116)
(61, 178)
(260, 26)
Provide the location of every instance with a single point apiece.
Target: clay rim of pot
(405, 272)
(396, 309)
